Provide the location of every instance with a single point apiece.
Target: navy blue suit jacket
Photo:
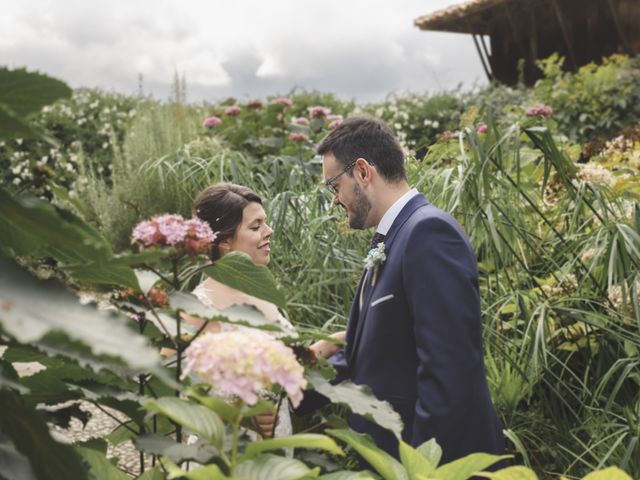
(417, 340)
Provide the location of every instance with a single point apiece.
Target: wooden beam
(565, 33)
(619, 29)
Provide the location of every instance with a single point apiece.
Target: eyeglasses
(330, 183)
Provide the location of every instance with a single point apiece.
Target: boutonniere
(375, 259)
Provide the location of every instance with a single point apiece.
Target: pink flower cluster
(211, 121)
(300, 121)
(483, 128)
(245, 363)
(233, 111)
(540, 110)
(254, 104)
(334, 121)
(284, 101)
(191, 236)
(319, 112)
(298, 137)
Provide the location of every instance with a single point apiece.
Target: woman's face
(252, 235)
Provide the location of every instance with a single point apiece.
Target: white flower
(375, 257)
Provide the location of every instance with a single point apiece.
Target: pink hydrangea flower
(171, 230)
(284, 101)
(300, 120)
(298, 137)
(244, 364)
(211, 121)
(483, 128)
(254, 104)
(333, 118)
(318, 111)
(540, 110)
(233, 111)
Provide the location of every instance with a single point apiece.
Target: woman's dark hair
(221, 206)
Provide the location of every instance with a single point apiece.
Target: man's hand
(266, 423)
(326, 348)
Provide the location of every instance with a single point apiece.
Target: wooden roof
(472, 16)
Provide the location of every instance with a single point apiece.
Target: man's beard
(359, 208)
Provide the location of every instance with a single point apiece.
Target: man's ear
(363, 170)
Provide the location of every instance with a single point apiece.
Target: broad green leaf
(12, 126)
(225, 410)
(208, 472)
(238, 271)
(360, 399)
(46, 311)
(347, 475)
(511, 473)
(465, 467)
(100, 466)
(14, 464)
(270, 467)
(57, 232)
(152, 474)
(431, 451)
(103, 274)
(27, 92)
(30, 435)
(611, 473)
(200, 452)
(414, 462)
(196, 418)
(303, 440)
(387, 466)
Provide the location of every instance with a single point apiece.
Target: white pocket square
(382, 299)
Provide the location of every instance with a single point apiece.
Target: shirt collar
(393, 211)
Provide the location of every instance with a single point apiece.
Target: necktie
(377, 238)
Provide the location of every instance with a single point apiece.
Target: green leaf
(611, 473)
(178, 452)
(15, 466)
(53, 231)
(153, 474)
(360, 399)
(465, 467)
(431, 451)
(381, 461)
(196, 418)
(100, 466)
(225, 410)
(414, 462)
(512, 473)
(27, 92)
(47, 312)
(238, 271)
(209, 472)
(270, 467)
(30, 435)
(12, 126)
(303, 440)
(347, 475)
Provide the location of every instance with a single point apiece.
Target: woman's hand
(326, 348)
(266, 423)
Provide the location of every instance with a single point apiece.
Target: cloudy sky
(360, 49)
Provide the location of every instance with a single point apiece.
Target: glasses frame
(329, 183)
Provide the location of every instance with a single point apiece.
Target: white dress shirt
(394, 210)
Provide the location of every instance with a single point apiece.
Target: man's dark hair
(221, 206)
(368, 138)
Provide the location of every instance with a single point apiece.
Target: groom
(414, 331)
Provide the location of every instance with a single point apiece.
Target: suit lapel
(359, 311)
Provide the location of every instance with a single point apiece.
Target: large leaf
(387, 466)
(270, 467)
(414, 462)
(238, 271)
(100, 466)
(208, 472)
(303, 440)
(30, 435)
(465, 467)
(431, 451)
(360, 399)
(178, 452)
(515, 473)
(15, 466)
(611, 473)
(152, 474)
(196, 418)
(12, 126)
(33, 309)
(347, 475)
(27, 92)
